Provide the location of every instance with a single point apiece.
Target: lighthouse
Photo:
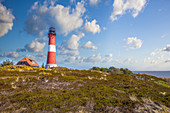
(51, 57)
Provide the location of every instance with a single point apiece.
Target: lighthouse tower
(51, 57)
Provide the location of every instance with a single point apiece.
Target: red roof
(28, 62)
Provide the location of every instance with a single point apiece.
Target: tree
(104, 69)
(5, 63)
(43, 65)
(112, 69)
(126, 71)
(95, 68)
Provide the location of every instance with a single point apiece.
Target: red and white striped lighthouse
(51, 57)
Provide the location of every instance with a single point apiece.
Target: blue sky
(132, 34)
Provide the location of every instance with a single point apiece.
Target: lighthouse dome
(52, 30)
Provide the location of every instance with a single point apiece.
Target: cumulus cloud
(163, 36)
(33, 7)
(147, 59)
(160, 51)
(64, 18)
(41, 55)
(130, 60)
(21, 50)
(10, 54)
(167, 48)
(109, 55)
(73, 42)
(6, 20)
(104, 28)
(89, 45)
(156, 52)
(35, 25)
(157, 60)
(133, 43)
(93, 59)
(121, 6)
(72, 1)
(30, 56)
(108, 58)
(98, 59)
(92, 27)
(70, 47)
(36, 45)
(67, 52)
(158, 56)
(167, 61)
(94, 2)
(70, 59)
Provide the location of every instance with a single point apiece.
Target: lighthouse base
(50, 65)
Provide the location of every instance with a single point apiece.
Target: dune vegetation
(32, 89)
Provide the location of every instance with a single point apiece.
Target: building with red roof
(28, 62)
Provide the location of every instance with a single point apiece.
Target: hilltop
(31, 89)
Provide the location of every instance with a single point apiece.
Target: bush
(113, 70)
(5, 63)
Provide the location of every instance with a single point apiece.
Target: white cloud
(64, 18)
(33, 7)
(161, 51)
(73, 42)
(147, 59)
(167, 61)
(94, 2)
(36, 45)
(156, 52)
(154, 62)
(93, 59)
(30, 56)
(34, 25)
(104, 28)
(72, 1)
(92, 27)
(78, 58)
(130, 60)
(89, 45)
(66, 52)
(160, 57)
(167, 48)
(156, 57)
(21, 50)
(70, 59)
(163, 36)
(66, 21)
(108, 58)
(6, 20)
(70, 47)
(121, 6)
(10, 54)
(98, 59)
(109, 55)
(41, 55)
(133, 43)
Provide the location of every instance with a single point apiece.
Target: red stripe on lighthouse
(51, 57)
(51, 39)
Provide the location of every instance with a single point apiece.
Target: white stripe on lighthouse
(51, 48)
